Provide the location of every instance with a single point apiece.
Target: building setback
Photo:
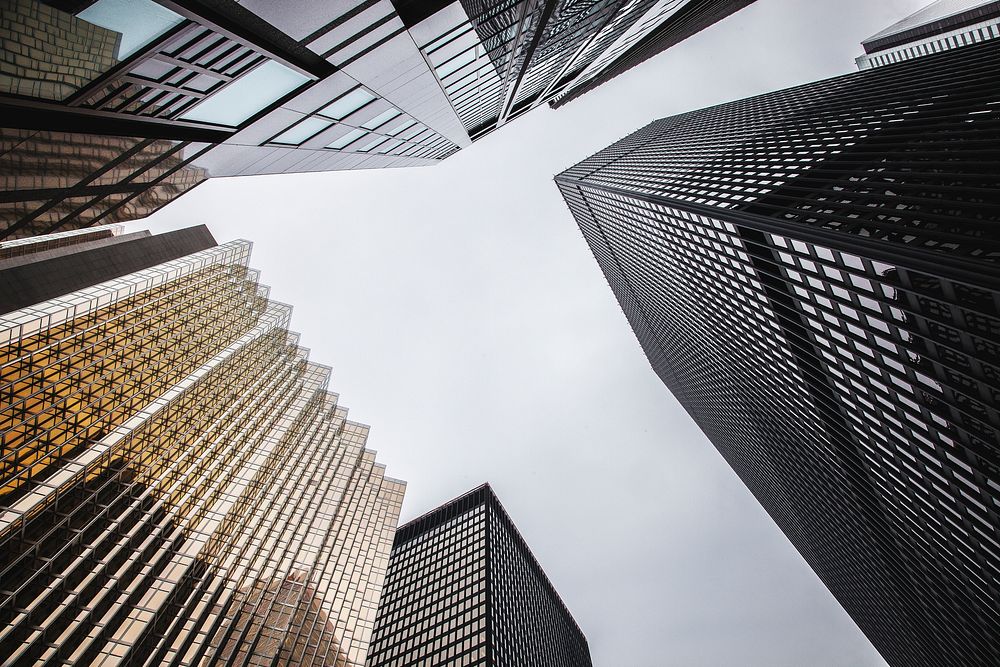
(113, 109)
(464, 589)
(178, 486)
(814, 274)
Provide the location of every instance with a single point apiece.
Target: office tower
(464, 589)
(112, 109)
(941, 25)
(669, 23)
(813, 273)
(178, 485)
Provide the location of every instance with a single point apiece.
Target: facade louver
(464, 589)
(815, 274)
(111, 110)
(178, 484)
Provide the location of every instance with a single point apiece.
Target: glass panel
(381, 119)
(348, 138)
(373, 143)
(247, 95)
(58, 53)
(399, 128)
(385, 148)
(348, 104)
(456, 63)
(299, 133)
(412, 133)
(138, 21)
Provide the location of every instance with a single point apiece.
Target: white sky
(468, 323)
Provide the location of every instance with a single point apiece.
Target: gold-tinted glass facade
(178, 486)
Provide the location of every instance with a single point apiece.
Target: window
(373, 143)
(348, 138)
(348, 104)
(381, 119)
(95, 40)
(399, 128)
(298, 133)
(247, 95)
(138, 21)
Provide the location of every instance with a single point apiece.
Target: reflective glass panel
(399, 128)
(298, 133)
(348, 104)
(385, 148)
(381, 119)
(373, 143)
(409, 134)
(247, 95)
(348, 138)
(456, 63)
(58, 53)
(138, 21)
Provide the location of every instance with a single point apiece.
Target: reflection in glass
(137, 21)
(58, 54)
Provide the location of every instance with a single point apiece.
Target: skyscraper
(178, 485)
(668, 23)
(464, 589)
(941, 25)
(111, 109)
(814, 274)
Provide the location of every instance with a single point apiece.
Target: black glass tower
(463, 589)
(815, 274)
(111, 109)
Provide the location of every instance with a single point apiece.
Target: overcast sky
(468, 323)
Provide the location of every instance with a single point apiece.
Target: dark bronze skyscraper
(178, 486)
(463, 589)
(111, 109)
(815, 275)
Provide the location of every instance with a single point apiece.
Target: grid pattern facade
(497, 60)
(464, 589)
(813, 274)
(177, 485)
(943, 25)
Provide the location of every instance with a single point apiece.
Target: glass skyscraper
(178, 484)
(463, 589)
(668, 23)
(112, 109)
(814, 274)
